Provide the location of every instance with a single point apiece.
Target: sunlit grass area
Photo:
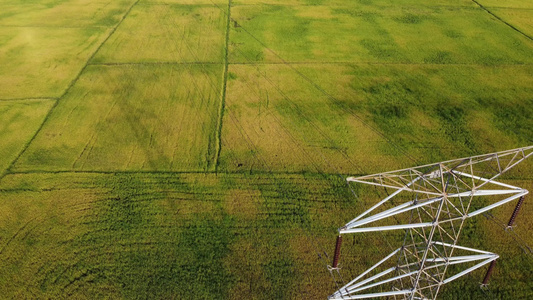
(43, 61)
(167, 33)
(160, 117)
(20, 120)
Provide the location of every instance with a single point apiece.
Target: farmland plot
(507, 4)
(129, 235)
(167, 33)
(70, 13)
(276, 119)
(520, 19)
(43, 61)
(20, 120)
(271, 123)
(374, 34)
(357, 3)
(216, 3)
(160, 117)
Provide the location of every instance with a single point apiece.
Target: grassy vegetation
(165, 236)
(277, 120)
(122, 191)
(374, 33)
(131, 235)
(517, 17)
(128, 117)
(62, 13)
(20, 120)
(506, 3)
(45, 44)
(43, 58)
(167, 33)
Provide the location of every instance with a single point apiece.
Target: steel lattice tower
(440, 198)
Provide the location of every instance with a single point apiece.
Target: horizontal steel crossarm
(461, 247)
(491, 180)
(385, 228)
(393, 211)
(442, 261)
(489, 207)
(369, 270)
(461, 260)
(463, 162)
(381, 202)
(476, 193)
(382, 282)
(494, 257)
(374, 295)
(409, 206)
(402, 187)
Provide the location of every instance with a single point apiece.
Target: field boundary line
(9, 169)
(52, 26)
(155, 172)
(503, 21)
(223, 92)
(362, 63)
(28, 99)
(157, 63)
(508, 7)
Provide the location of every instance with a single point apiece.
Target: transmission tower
(431, 203)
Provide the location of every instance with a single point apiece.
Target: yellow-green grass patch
(425, 35)
(42, 62)
(167, 33)
(219, 3)
(139, 117)
(276, 121)
(73, 13)
(356, 3)
(20, 121)
(506, 3)
(522, 19)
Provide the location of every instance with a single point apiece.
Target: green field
(197, 149)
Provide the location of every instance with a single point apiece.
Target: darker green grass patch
(206, 243)
(285, 204)
(453, 119)
(379, 48)
(390, 104)
(409, 18)
(511, 116)
(137, 245)
(440, 57)
(280, 274)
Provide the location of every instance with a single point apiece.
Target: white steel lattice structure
(431, 203)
